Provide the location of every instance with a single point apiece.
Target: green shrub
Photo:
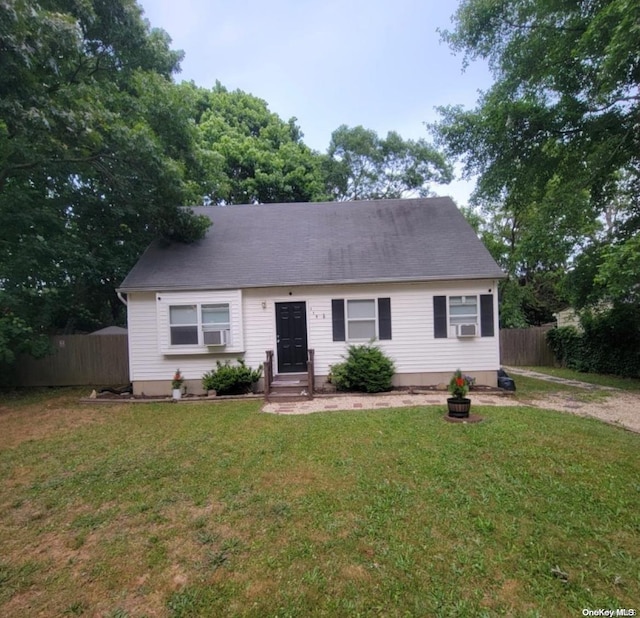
(231, 379)
(611, 341)
(566, 344)
(608, 344)
(366, 368)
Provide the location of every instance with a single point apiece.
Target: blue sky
(376, 63)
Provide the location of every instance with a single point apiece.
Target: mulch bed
(111, 397)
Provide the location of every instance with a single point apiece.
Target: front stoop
(289, 387)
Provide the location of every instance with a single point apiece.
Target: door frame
(289, 301)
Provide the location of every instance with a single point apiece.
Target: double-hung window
(463, 314)
(199, 325)
(184, 324)
(216, 324)
(361, 319)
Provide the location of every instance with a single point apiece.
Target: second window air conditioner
(467, 330)
(215, 337)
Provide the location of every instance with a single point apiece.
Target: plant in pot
(176, 384)
(458, 404)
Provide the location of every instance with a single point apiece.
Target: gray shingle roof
(316, 243)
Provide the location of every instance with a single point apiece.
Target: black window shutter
(337, 313)
(440, 317)
(486, 315)
(384, 318)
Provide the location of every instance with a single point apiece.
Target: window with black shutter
(361, 319)
(337, 315)
(440, 317)
(384, 318)
(486, 315)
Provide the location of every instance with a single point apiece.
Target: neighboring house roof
(110, 330)
(319, 243)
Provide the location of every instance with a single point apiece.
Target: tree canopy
(362, 165)
(555, 140)
(247, 154)
(93, 146)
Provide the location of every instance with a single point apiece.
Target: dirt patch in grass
(43, 420)
(124, 562)
(504, 598)
(618, 408)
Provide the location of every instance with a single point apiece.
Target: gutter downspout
(123, 300)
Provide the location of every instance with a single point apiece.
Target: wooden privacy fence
(526, 347)
(78, 360)
(96, 360)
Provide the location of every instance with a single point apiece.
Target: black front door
(291, 333)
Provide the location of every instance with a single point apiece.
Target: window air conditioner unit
(215, 337)
(467, 330)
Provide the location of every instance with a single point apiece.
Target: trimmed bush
(231, 379)
(366, 369)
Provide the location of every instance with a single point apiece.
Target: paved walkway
(324, 403)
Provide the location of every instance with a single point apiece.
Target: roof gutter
(290, 284)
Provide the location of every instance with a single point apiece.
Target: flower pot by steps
(459, 407)
(176, 394)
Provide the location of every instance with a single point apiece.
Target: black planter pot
(459, 407)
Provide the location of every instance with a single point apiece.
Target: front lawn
(218, 510)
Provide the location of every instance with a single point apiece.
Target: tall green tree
(362, 165)
(248, 154)
(93, 147)
(555, 140)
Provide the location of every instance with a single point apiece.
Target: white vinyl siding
(151, 355)
(413, 347)
(253, 328)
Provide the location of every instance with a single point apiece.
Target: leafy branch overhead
(94, 140)
(555, 140)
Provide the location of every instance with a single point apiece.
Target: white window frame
(472, 317)
(348, 320)
(200, 325)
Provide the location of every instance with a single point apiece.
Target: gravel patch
(622, 409)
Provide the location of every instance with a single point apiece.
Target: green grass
(218, 510)
(531, 389)
(628, 384)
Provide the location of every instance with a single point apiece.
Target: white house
(294, 277)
